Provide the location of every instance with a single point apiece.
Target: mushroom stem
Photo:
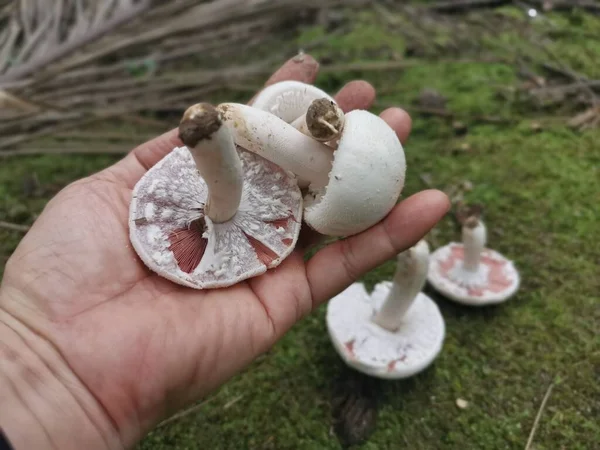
(213, 149)
(409, 279)
(323, 121)
(272, 138)
(474, 239)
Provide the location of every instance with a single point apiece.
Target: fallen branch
(444, 113)
(101, 136)
(589, 118)
(211, 14)
(194, 45)
(577, 78)
(570, 88)
(49, 42)
(83, 150)
(14, 226)
(185, 412)
(147, 121)
(371, 66)
(455, 6)
(104, 114)
(539, 416)
(452, 6)
(567, 5)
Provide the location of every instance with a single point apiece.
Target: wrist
(42, 403)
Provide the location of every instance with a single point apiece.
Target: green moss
(540, 190)
(366, 39)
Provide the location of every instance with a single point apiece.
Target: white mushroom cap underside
(499, 276)
(288, 100)
(365, 181)
(172, 194)
(375, 351)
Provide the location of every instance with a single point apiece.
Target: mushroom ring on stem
(396, 331)
(349, 189)
(471, 274)
(211, 214)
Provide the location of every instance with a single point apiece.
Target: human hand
(96, 349)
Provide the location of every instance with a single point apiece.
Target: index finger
(301, 67)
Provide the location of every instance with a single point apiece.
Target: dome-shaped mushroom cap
(366, 179)
(288, 100)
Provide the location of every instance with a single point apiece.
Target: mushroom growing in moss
(470, 273)
(211, 214)
(396, 331)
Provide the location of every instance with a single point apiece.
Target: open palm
(143, 346)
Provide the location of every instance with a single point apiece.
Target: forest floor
(497, 99)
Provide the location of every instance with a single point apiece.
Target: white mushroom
(365, 181)
(209, 215)
(471, 274)
(288, 100)
(395, 332)
(349, 189)
(306, 107)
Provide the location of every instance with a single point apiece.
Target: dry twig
(41, 34)
(455, 6)
(14, 226)
(451, 6)
(539, 416)
(60, 67)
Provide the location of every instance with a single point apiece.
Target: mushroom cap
(365, 181)
(173, 238)
(288, 100)
(495, 282)
(375, 351)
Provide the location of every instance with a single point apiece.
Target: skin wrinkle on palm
(163, 328)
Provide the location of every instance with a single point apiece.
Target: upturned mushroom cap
(365, 181)
(375, 351)
(176, 238)
(288, 100)
(495, 281)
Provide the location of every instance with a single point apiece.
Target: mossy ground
(541, 194)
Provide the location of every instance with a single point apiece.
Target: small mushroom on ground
(396, 331)
(306, 107)
(349, 189)
(468, 272)
(211, 214)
